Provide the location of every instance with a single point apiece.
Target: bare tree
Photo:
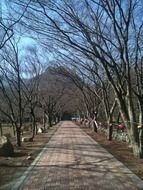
(9, 20)
(51, 90)
(109, 33)
(92, 83)
(33, 70)
(103, 32)
(11, 87)
(19, 85)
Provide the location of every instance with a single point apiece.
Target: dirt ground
(120, 150)
(12, 168)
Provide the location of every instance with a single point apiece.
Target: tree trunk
(140, 127)
(50, 121)
(118, 118)
(110, 132)
(136, 150)
(1, 129)
(14, 128)
(18, 135)
(129, 120)
(44, 121)
(141, 141)
(110, 120)
(34, 130)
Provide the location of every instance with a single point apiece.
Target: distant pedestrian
(121, 127)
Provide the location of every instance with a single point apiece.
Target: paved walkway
(73, 161)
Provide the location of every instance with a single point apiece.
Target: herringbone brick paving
(73, 161)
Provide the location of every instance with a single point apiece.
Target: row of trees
(101, 42)
(23, 97)
(29, 92)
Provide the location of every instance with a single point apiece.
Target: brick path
(73, 161)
